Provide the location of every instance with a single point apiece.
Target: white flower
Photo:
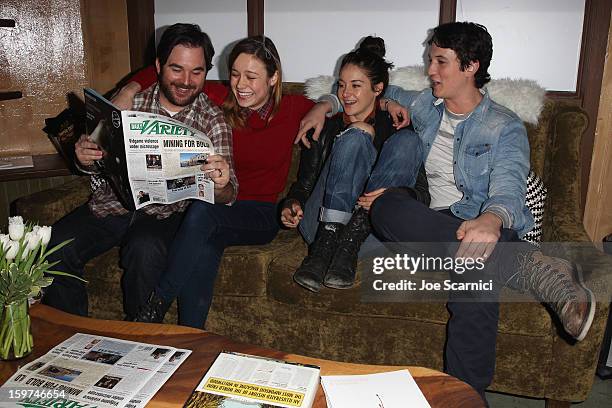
(45, 234)
(4, 240)
(25, 252)
(33, 239)
(16, 227)
(11, 251)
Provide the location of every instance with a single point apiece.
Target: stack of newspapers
(93, 371)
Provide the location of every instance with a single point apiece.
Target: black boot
(341, 272)
(154, 310)
(313, 268)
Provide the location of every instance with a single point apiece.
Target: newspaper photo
(148, 158)
(238, 380)
(93, 371)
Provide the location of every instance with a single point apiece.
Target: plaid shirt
(201, 115)
(263, 112)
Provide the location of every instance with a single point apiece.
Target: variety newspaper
(87, 371)
(148, 158)
(238, 380)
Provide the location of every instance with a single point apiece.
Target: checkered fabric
(535, 200)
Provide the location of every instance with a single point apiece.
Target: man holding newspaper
(184, 56)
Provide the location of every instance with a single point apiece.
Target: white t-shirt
(439, 163)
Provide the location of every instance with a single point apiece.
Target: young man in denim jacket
(476, 156)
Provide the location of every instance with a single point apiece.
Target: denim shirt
(490, 157)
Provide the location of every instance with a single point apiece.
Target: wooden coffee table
(50, 327)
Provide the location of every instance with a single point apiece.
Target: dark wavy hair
(471, 42)
(265, 51)
(370, 56)
(189, 35)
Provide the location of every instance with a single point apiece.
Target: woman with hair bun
(357, 157)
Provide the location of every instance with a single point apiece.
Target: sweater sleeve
(145, 77)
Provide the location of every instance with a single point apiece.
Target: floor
(600, 397)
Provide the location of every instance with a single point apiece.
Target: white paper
(395, 389)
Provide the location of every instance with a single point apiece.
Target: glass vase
(15, 335)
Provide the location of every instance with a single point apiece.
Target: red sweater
(262, 151)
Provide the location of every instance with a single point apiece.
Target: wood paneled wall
(598, 211)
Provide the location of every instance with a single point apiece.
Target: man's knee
(387, 207)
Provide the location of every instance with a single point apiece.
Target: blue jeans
(352, 169)
(195, 253)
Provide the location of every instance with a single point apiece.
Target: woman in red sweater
(264, 126)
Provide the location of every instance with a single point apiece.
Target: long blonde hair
(264, 49)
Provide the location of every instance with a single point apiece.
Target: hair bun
(375, 45)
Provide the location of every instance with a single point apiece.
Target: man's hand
(367, 199)
(124, 99)
(217, 169)
(87, 151)
(291, 214)
(399, 114)
(314, 119)
(479, 236)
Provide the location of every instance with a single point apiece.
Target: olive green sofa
(256, 300)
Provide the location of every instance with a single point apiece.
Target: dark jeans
(143, 238)
(195, 253)
(472, 328)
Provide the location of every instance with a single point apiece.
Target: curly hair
(471, 42)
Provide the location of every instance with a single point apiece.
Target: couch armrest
(563, 171)
(47, 206)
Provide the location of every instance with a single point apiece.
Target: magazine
(148, 158)
(237, 380)
(94, 371)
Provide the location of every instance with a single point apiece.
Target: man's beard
(166, 88)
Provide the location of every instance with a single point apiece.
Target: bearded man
(184, 56)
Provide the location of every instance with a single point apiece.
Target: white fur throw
(523, 96)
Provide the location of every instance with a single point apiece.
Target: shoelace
(547, 283)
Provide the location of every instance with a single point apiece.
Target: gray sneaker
(560, 284)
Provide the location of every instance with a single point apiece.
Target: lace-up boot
(311, 272)
(341, 272)
(559, 283)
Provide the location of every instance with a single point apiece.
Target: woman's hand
(314, 119)
(124, 99)
(218, 170)
(87, 151)
(367, 199)
(399, 114)
(291, 213)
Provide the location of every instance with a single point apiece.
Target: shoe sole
(591, 299)
(312, 288)
(334, 286)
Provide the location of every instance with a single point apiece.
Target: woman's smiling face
(250, 82)
(356, 93)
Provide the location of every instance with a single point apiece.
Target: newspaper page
(244, 380)
(148, 158)
(144, 395)
(89, 371)
(164, 159)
